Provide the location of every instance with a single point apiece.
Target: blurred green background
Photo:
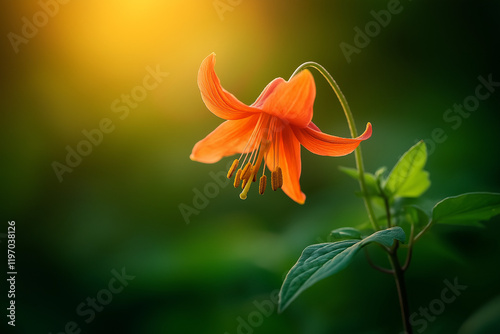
(118, 209)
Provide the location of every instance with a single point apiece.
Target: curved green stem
(425, 229)
(376, 267)
(354, 134)
(410, 248)
(398, 270)
(401, 286)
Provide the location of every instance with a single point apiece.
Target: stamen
(277, 179)
(233, 168)
(280, 177)
(263, 149)
(274, 179)
(262, 184)
(237, 178)
(245, 174)
(254, 140)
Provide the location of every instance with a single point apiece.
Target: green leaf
(345, 233)
(323, 260)
(370, 180)
(467, 209)
(416, 215)
(379, 173)
(485, 320)
(407, 178)
(352, 172)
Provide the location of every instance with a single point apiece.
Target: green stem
(425, 229)
(376, 267)
(387, 210)
(354, 134)
(401, 286)
(398, 270)
(410, 248)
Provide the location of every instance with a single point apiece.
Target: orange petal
(293, 100)
(289, 161)
(217, 99)
(323, 144)
(267, 91)
(227, 139)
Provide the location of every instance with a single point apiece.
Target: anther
(274, 179)
(245, 174)
(262, 184)
(237, 178)
(248, 173)
(233, 168)
(277, 179)
(280, 177)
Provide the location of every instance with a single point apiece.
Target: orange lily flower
(271, 129)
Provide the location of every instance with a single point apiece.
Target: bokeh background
(119, 207)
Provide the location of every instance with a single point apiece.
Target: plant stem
(397, 271)
(354, 134)
(401, 286)
(425, 229)
(376, 267)
(410, 248)
(387, 210)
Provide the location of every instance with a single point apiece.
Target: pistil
(263, 136)
(264, 147)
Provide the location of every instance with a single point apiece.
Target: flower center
(263, 138)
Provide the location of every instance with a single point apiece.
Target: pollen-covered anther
(280, 177)
(233, 168)
(249, 174)
(276, 179)
(245, 174)
(262, 184)
(243, 183)
(237, 178)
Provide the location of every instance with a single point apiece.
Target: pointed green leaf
(485, 320)
(352, 172)
(415, 186)
(323, 260)
(416, 216)
(379, 173)
(370, 180)
(345, 233)
(407, 178)
(467, 209)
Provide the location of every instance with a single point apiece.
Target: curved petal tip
(218, 100)
(368, 132)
